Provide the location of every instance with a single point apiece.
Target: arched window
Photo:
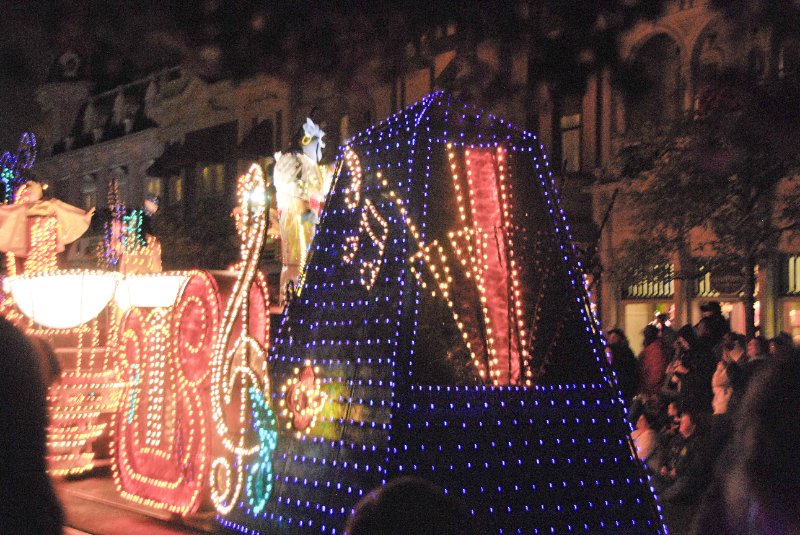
(653, 95)
(153, 186)
(176, 183)
(570, 124)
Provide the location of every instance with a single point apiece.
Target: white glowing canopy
(62, 299)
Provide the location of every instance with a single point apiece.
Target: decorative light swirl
(373, 229)
(224, 492)
(243, 365)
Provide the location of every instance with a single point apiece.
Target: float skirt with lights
(69, 309)
(177, 362)
(443, 330)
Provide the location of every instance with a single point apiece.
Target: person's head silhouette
(409, 505)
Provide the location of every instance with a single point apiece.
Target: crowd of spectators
(716, 421)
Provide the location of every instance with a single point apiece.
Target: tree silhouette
(718, 188)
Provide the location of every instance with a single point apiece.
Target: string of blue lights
(471, 360)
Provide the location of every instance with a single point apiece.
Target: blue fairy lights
(545, 452)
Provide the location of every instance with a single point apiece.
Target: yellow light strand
(245, 362)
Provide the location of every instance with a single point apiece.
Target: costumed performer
(36, 229)
(301, 186)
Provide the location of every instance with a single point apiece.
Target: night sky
(25, 55)
(121, 40)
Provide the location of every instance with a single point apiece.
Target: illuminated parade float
(65, 308)
(438, 326)
(441, 329)
(141, 350)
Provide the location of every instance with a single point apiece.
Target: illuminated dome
(62, 299)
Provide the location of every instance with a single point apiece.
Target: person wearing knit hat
(687, 333)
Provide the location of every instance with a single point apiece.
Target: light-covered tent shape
(442, 329)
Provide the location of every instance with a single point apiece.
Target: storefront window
(653, 287)
(639, 315)
(793, 276)
(704, 287)
(793, 323)
(791, 293)
(571, 142)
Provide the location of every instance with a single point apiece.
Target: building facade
(672, 57)
(676, 54)
(179, 137)
(170, 134)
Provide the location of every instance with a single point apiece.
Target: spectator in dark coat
(707, 340)
(781, 345)
(742, 371)
(652, 363)
(28, 503)
(757, 353)
(681, 476)
(624, 363)
(694, 366)
(717, 324)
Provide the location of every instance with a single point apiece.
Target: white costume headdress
(311, 133)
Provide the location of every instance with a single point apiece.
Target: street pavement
(92, 506)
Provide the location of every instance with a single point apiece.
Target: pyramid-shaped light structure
(442, 330)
